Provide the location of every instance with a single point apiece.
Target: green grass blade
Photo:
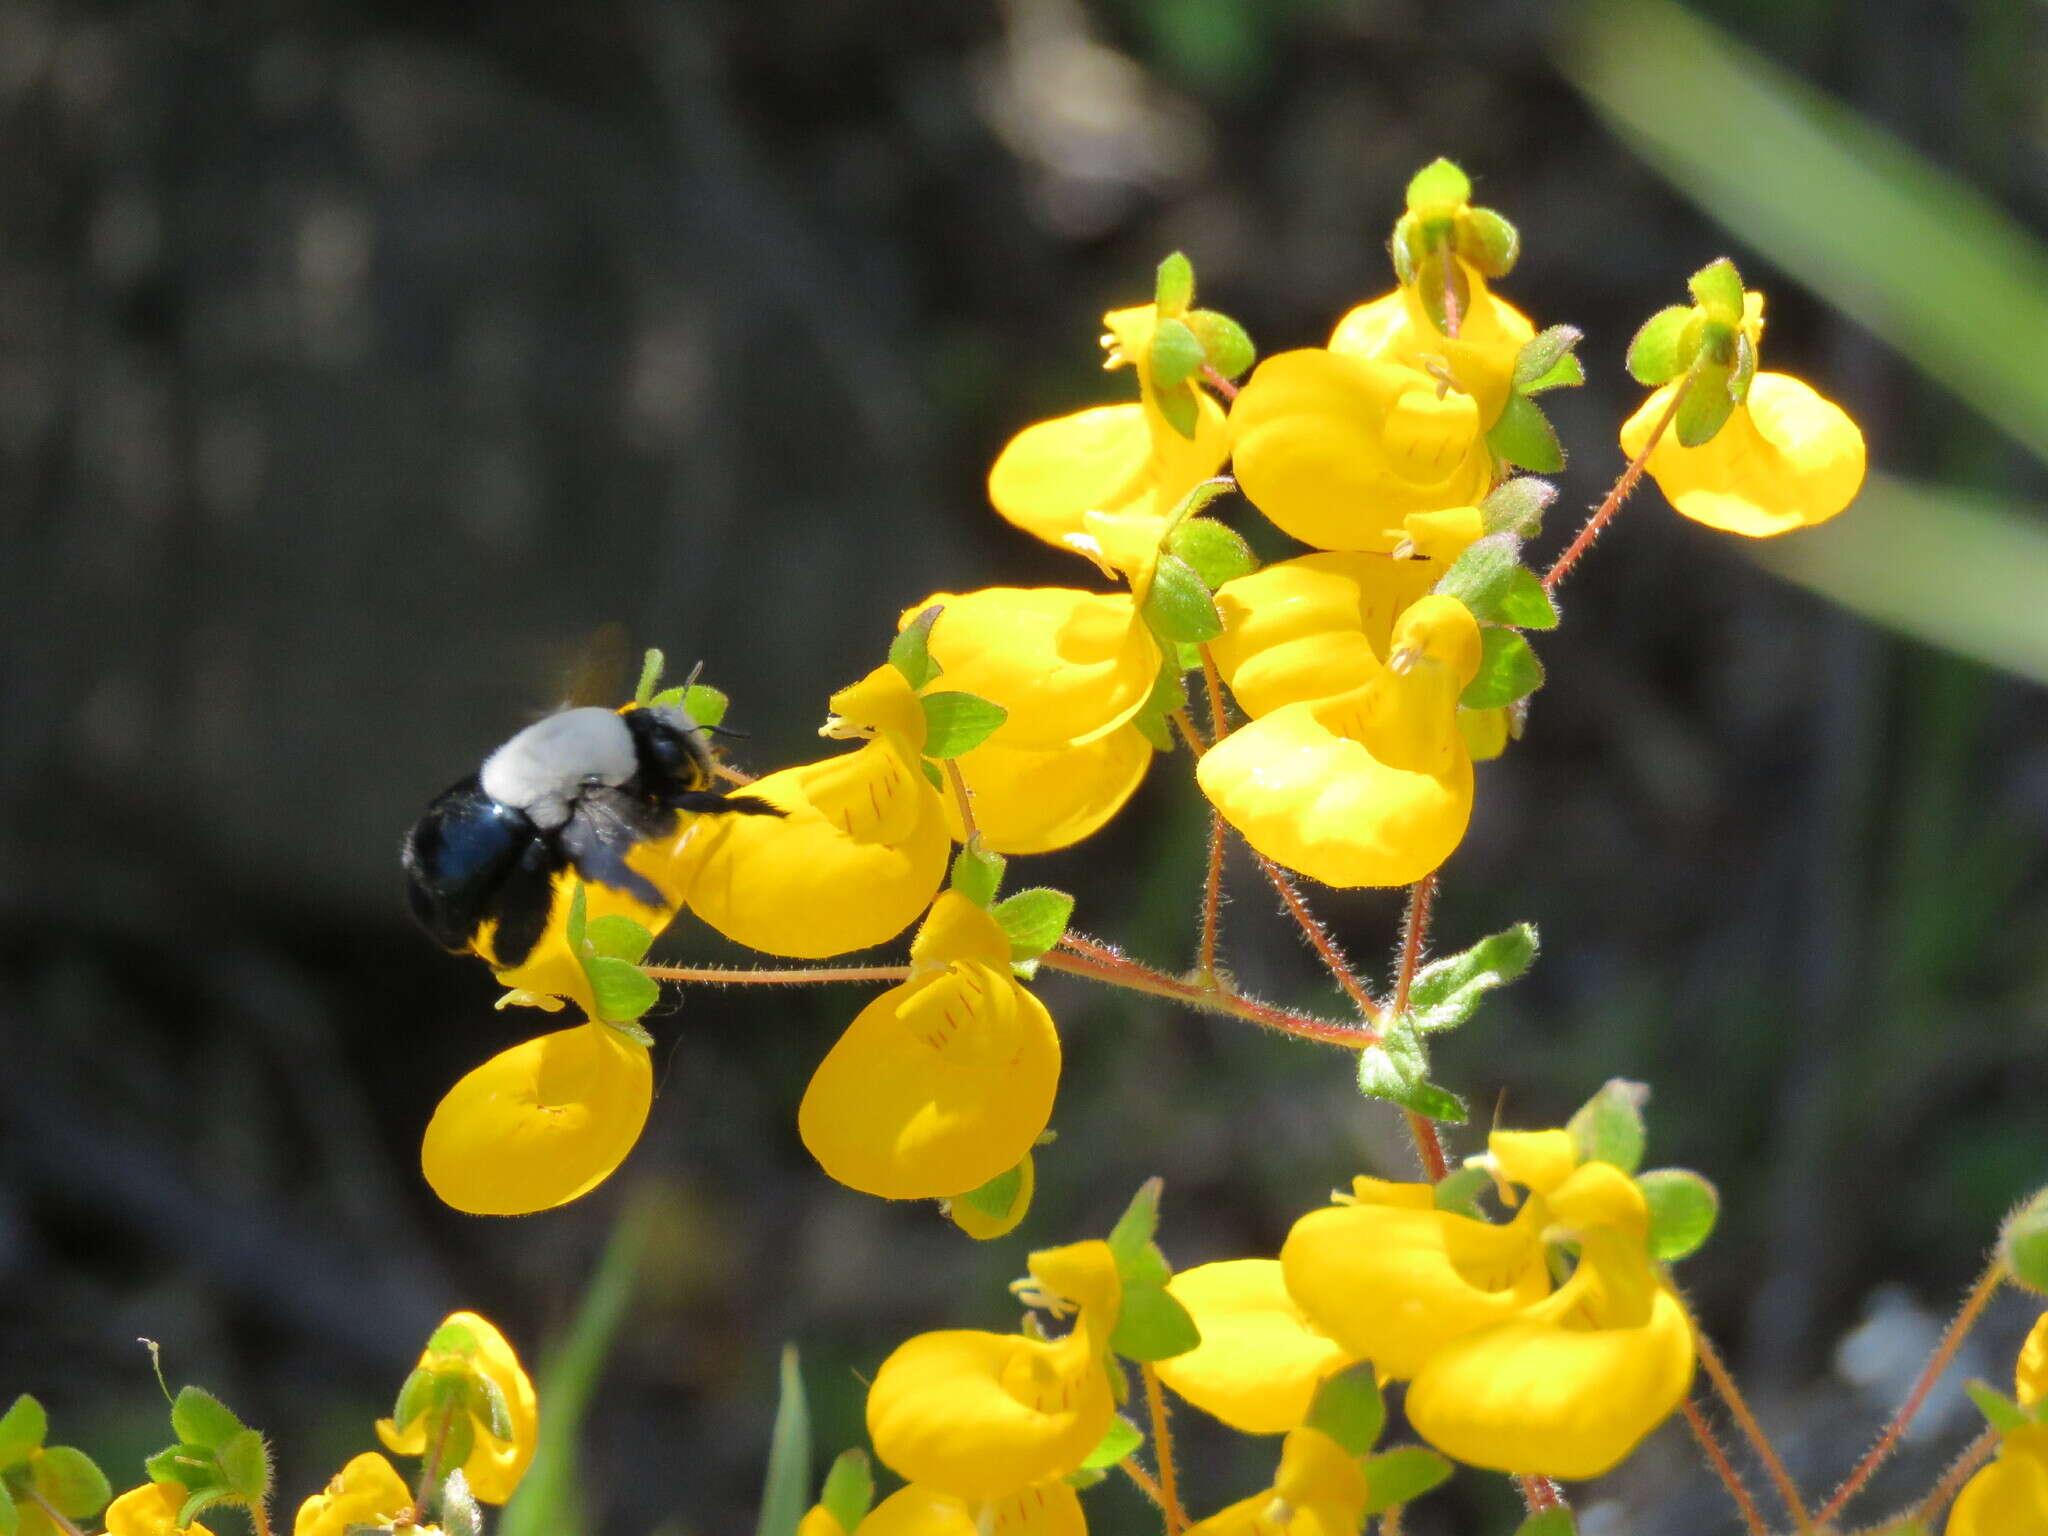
(786, 1492)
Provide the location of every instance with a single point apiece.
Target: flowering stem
(1975, 1454)
(806, 975)
(1099, 963)
(259, 1517)
(52, 1512)
(959, 782)
(1710, 1447)
(1958, 1329)
(1135, 1471)
(1216, 381)
(1604, 513)
(1162, 1451)
(1212, 886)
(1738, 1406)
(1319, 937)
(1414, 934)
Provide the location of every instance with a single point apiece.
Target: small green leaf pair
(34, 1475)
(1684, 1207)
(1187, 340)
(1504, 595)
(610, 950)
(1443, 995)
(1708, 345)
(1523, 435)
(1150, 1325)
(217, 1460)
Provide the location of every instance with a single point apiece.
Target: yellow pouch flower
(944, 1081)
(1542, 1160)
(495, 1466)
(1319, 1490)
(986, 1415)
(368, 1491)
(1029, 800)
(858, 852)
(1787, 459)
(1312, 627)
(2009, 1497)
(1335, 449)
(151, 1510)
(539, 1124)
(1260, 1360)
(1481, 359)
(1573, 1384)
(1107, 459)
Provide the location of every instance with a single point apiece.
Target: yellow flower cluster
(2010, 1496)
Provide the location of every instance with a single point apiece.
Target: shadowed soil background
(359, 362)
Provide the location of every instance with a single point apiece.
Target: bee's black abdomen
(458, 858)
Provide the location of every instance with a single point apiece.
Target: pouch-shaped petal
(1573, 1385)
(150, 1510)
(1033, 801)
(2030, 1371)
(551, 969)
(1787, 459)
(1053, 473)
(539, 1124)
(368, 1491)
(1481, 358)
(1069, 666)
(1319, 1490)
(1336, 450)
(2009, 1497)
(1260, 1359)
(1395, 1285)
(1312, 627)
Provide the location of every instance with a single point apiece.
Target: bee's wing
(606, 825)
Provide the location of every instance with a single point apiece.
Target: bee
(577, 790)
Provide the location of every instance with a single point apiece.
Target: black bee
(580, 789)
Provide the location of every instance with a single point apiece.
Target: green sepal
(910, 652)
(1717, 287)
(1181, 408)
(245, 1465)
(460, 1440)
(1173, 289)
(1397, 1070)
(1459, 1190)
(1707, 404)
(1151, 1325)
(1683, 1210)
(1403, 1475)
(1555, 1521)
(1348, 1408)
(191, 1465)
(1213, 551)
(460, 1513)
(1439, 279)
(996, 1198)
(1119, 1441)
(1479, 577)
(1525, 438)
(1084, 1478)
(1608, 1127)
(1445, 993)
(1744, 372)
(1488, 241)
(1438, 187)
(201, 1500)
(1401, 246)
(1033, 920)
(932, 775)
(1517, 506)
(22, 1430)
(1542, 353)
(1168, 694)
(1569, 373)
(1196, 500)
(2000, 1411)
(2023, 1242)
(415, 1396)
(72, 1481)
(651, 665)
(1134, 1230)
(10, 1517)
(617, 937)
(957, 723)
(1654, 355)
(849, 1488)
(1176, 355)
(978, 873)
(631, 1030)
(484, 1400)
(201, 1418)
(1178, 606)
(1225, 343)
(621, 991)
(705, 704)
(786, 1487)
(1508, 670)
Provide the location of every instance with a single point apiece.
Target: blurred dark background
(358, 361)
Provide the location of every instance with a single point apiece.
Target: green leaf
(1568, 374)
(786, 1491)
(621, 991)
(572, 927)
(1744, 372)
(1459, 1190)
(849, 1488)
(1717, 287)
(1525, 604)
(1135, 1229)
(245, 1463)
(2000, 1411)
(1176, 356)
(705, 704)
(1480, 576)
(1517, 506)
(200, 1417)
(650, 677)
(201, 1500)
(1437, 186)
(1178, 606)
(1706, 407)
(1180, 407)
(618, 937)
(485, 1400)
(1197, 499)
(414, 1395)
(932, 775)
(10, 1517)
(1541, 354)
(1121, 1439)
(1402, 247)
(1488, 241)
(1608, 1127)
(1224, 342)
(72, 1481)
(995, 1198)
(1524, 436)
(1435, 278)
(1397, 1070)
(192, 1465)
(955, 723)
(460, 1514)
(910, 651)
(1215, 553)
(1173, 290)
(1033, 920)
(1447, 992)
(1556, 1521)
(1168, 694)
(1151, 1325)
(1654, 353)
(1402, 1475)
(22, 1429)
(1683, 1210)
(460, 1440)
(1508, 670)
(978, 874)
(1349, 1409)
